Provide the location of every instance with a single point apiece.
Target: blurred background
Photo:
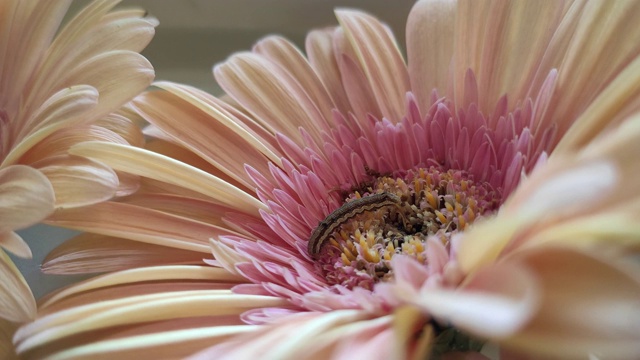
(194, 35)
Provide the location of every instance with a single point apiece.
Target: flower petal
(139, 224)
(381, 60)
(135, 310)
(494, 302)
(276, 99)
(145, 163)
(16, 300)
(430, 43)
(176, 344)
(589, 305)
(309, 336)
(26, 196)
(27, 29)
(92, 253)
(203, 129)
(7, 350)
(320, 50)
(78, 181)
(13, 243)
(65, 109)
(603, 28)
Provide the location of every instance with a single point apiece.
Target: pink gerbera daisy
(339, 193)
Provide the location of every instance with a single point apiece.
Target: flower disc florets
(429, 202)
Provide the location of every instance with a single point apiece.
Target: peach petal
(589, 305)
(276, 99)
(583, 72)
(322, 57)
(155, 273)
(215, 141)
(139, 224)
(65, 108)
(282, 52)
(381, 60)
(13, 243)
(136, 309)
(604, 109)
(167, 344)
(430, 42)
(92, 253)
(78, 181)
(27, 197)
(307, 334)
(16, 300)
(494, 302)
(7, 329)
(27, 30)
(145, 163)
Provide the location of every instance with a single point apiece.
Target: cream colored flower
(60, 86)
(337, 192)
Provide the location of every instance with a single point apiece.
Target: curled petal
(78, 181)
(26, 197)
(16, 300)
(309, 336)
(12, 242)
(588, 305)
(494, 302)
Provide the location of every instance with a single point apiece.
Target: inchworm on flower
(345, 213)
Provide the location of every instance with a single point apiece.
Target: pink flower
(338, 194)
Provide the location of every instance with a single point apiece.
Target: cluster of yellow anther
(431, 203)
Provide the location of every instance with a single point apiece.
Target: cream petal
(493, 302)
(78, 181)
(58, 143)
(606, 110)
(145, 163)
(168, 344)
(307, 335)
(139, 224)
(589, 305)
(603, 28)
(155, 273)
(430, 42)
(276, 99)
(503, 42)
(26, 196)
(136, 309)
(570, 190)
(91, 34)
(27, 29)
(596, 180)
(282, 52)
(92, 253)
(322, 57)
(405, 322)
(221, 142)
(7, 329)
(118, 76)
(125, 125)
(13, 243)
(64, 109)
(354, 80)
(16, 300)
(381, 60)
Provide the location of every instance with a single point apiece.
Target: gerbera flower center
(396, 214)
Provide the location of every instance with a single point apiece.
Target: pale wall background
(193, 36)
